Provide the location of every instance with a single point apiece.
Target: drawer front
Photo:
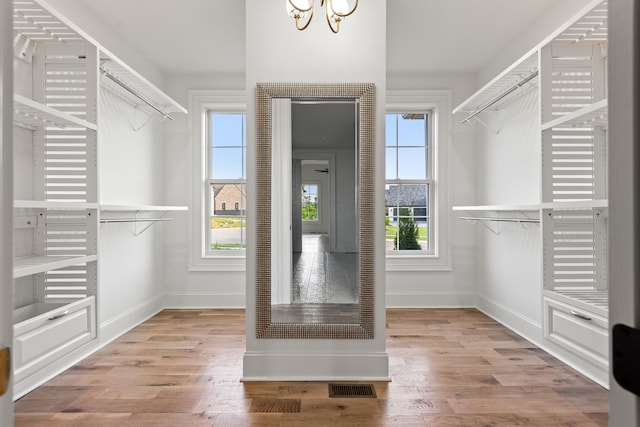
(44, 339)
(583, 333)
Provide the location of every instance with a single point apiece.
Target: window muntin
(226, 172)
(408, 183)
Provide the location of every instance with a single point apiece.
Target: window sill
(417, 263)
(219, 263)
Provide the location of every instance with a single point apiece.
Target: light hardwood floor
(449, 367)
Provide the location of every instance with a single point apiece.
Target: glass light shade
(302, 5)
(340, 7)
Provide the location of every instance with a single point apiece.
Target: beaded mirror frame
(365, 94)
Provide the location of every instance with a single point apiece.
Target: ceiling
(323, 125)
(192, 36)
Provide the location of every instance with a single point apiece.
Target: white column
(624, 172)
(6, 198)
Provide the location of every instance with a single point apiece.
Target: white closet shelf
(505, 81)
(586, 204)
(35, 21)
(596, 302)
(141, 91)
(140, 208)
(39, 22)
(498, 208)
(29, 265)
(590, 24)
(38, 204)
(596, 114)
(33, 115)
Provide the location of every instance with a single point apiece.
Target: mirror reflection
(323, 285)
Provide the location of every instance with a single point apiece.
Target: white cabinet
(44, 332)
(580, 331)
(569, 68)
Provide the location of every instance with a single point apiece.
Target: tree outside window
(309, 202)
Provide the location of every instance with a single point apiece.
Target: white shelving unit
(569, 67)
(30, 265)
(57, 225)
(133, 87)
(596, 114)
(31, 115)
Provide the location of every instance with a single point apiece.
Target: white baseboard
(428, 299)
(205, 300)
(532, 332)
(258, 366)
(522, 325)
(116, 326)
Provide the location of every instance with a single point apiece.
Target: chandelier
(302, 12)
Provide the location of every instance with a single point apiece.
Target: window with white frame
(408, 182)
(217, 120)
(417, 207)
(226, 182)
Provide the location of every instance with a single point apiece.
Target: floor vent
(352, 390)
(275, 405)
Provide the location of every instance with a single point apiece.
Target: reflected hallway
(324, 285)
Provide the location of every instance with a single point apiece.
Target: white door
(6, 203)
(624, 217)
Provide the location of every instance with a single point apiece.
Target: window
(218, 180)
(408, 182)
(226, 181)
(310, 202)
(417, 207)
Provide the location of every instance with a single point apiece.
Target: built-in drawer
(52, 334)
(579, 331)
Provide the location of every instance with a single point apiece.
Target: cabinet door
(41, 340)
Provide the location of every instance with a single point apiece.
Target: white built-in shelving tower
(569, 68)
(59, 72)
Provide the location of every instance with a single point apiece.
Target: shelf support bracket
(495, 130)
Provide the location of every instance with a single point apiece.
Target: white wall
(356, 54)
(453, 286)
(183, 287)
(131, 172)
(509, 264)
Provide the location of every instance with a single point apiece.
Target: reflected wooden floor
(321, 276)
(449, 367)
(315, 313)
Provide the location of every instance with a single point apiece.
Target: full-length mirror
(323, 283)
(315, 230)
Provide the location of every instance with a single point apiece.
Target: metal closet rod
(503, 94)
(484, 218)
(107, 221)
(135, 93)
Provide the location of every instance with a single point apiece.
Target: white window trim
(200, 103)
(439, 103)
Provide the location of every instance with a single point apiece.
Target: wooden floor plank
(449, 367)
